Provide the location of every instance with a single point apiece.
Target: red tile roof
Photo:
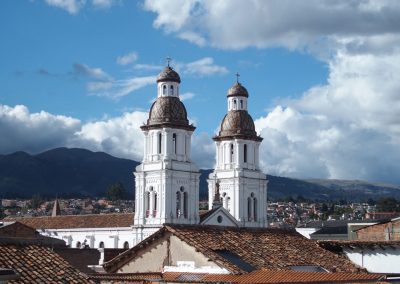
(37, 264)
(77, 221)
(244, 249)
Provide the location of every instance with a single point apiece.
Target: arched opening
(255, 209)
(185, 205)
(234, 104)
(245, 153)
(155, 204)
(241, 104)
(101, 245)
(174, 142)
(228, 204)
(164, 89)
(249, 211)
(178, 204)
(78, 245)
(159, 143)
(147, 203)
(126, 245)
(231, 153)
(171, 90)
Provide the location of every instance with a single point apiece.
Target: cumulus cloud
(127, 58)
(204, 67)
(238, 24)
(119, 136)
(74, 6)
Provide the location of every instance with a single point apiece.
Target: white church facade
(167, 180)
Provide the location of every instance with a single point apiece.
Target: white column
(237, 154)
(166, 144)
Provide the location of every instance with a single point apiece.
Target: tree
(116, 192)
(35, 201)
(388, 204)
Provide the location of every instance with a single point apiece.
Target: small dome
(238, 123)
(238, 90)
(168, 74)
(168, 111)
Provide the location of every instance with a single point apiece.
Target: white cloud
(94, 73)
(148, 67)
(71, 6)
(74, 6)
(187, 96)
(120, 88)
(292, 24)
(204, 67)
(127, 58)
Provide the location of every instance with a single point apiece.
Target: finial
(237, 77)
(168, 60)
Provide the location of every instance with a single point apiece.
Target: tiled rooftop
(78, 221)
(37, 264)
(242, 250)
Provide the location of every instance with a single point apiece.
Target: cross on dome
(168, 60)
(237, 77)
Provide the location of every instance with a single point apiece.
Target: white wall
(376, 260)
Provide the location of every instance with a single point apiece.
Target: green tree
(116, 192)
(388, 204)
(35, 201)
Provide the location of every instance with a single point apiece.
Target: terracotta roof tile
(78, 221)
(243, 249)
(37, 264)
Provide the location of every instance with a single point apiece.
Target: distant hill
(78, 172)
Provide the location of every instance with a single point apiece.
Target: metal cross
(168, 60)
(237, 77)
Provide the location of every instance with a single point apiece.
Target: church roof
(168, 75)
(241, 250)
(38, 264)
(237, 124)
(168, 112)
(238, 90)
(77, 221)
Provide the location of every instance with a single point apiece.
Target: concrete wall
(389, 231)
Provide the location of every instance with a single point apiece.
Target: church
(167, 180)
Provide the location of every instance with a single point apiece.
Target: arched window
(155, 205)
(228, 204)
(126, 245)
(101, 245)
(249, 211)
(255, 209)
(234, 104)
(78, 245)
(164, 89)
(245, 153)
(178, 204)
(171, 90)
(147, 203)
(185, 205)
(241, 104)
(159, 143)
(174, 142)
(231, 153)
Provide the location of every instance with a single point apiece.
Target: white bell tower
(243, 187)
(167, 182)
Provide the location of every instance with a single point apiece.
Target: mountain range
(76, 172)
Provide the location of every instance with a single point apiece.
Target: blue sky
(81, 73)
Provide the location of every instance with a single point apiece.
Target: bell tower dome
(167, 182)
(243, 187)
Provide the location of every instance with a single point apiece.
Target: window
(255, 209)
(249, 211)
(174, 142)
(78, 245)
(241, 104)
(219, 219)
(159, 143)
(178, 204)
(245, 153)
(234, 104)
(147, 203)
(231, 156)
(126, 245)
(171, 90)
(101, 245)
(164, 90)
(185, 205)
(155, 205)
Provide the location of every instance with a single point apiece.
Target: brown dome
(237, 124)
(238, 90)
(168, 112)
(168, 75)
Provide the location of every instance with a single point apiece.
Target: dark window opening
(174, 142)
(245, 153)
(159, 143)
